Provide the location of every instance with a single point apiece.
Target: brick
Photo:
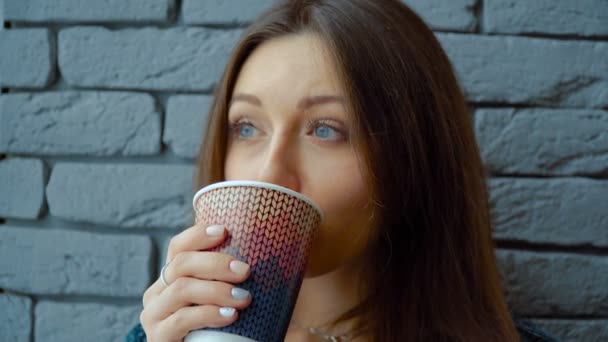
(124, 195)
(543, 141)
(62, 262)
(22, 188)
(185, 121)
(564, 17)
(567, 211)
(67, 322)
(80, 123)
(456, 15)
(70, 11)
(2, 15)
(15, 318)
(222, 11)
(554, 283)
(192, 58)
(28, 58)
(523, 70)
(439, 14)
(595, 330)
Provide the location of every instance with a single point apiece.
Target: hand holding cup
(201, 291)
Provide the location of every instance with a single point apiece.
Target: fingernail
(227, 312)
(239, 267)
(239, 294)
(215, 230)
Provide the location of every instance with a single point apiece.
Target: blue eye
(246, 130)
(326, 132)
(243, 130)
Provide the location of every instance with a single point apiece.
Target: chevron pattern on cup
(273, 232)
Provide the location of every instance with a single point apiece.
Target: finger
(196, 238)
(153, 291)
(208, 266)
(187, 291)
(195, 317)
(156, 288)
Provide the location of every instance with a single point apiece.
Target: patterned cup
(271, 228)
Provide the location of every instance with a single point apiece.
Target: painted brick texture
(75, 11)
(98, 322)
(193, 58)
(22, 187)
(80, 123)
(15, 318)
(28, 58)
(104, 104)
(585, 18)
(53, 261)
(121, 195)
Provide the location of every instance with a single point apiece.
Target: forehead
(296, 64)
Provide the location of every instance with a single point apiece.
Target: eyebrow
(304, 103)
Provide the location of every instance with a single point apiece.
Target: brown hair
(432, 273)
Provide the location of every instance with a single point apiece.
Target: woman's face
(289, 126)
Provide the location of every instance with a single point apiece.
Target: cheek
(347, 211)
(342, 193)
(339, 186)
(235, 165)
(347, 226)
(345, 199)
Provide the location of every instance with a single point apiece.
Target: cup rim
(258, 184)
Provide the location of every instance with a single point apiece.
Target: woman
(354, 104)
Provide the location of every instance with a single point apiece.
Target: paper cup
(271, 228)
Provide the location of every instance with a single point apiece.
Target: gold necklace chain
(318, 332)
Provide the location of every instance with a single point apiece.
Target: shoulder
(531, 332)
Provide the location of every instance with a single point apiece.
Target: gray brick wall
(75, 11)
(94, 57)
(98, 322)
(28, 58)
(15, 318)
(184, 123)
(79, 123)
(103, 106)
(24, 179)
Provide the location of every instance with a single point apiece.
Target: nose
(279, 164)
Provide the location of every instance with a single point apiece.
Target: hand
(201, 293)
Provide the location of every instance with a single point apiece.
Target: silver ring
(162, 274)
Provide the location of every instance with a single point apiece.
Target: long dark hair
(430, 271)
